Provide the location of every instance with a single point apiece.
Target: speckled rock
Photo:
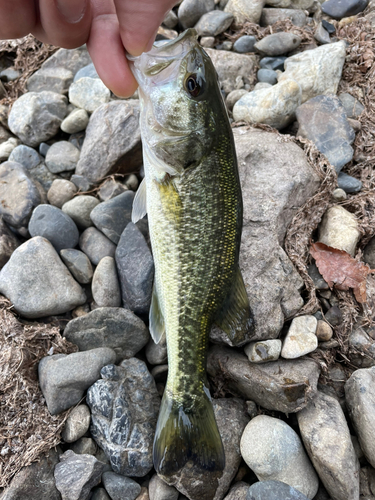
(213, 23)
(263, 351)
(77, 424)
(245, 10)
(80, 208)
(60, 192)
(339, 229)
(88, 93)
(301, 338)
(278, 44)
(78, 264)
(95, 245)
(75, 122)
(120, 487)
(105, 284)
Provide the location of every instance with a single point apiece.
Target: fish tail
(187, 433)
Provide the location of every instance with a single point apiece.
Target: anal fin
(156, 326)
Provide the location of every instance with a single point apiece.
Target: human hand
(107, 26)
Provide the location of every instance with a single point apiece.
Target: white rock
(245, 10)
(273, 106)
(105, 284)
(339, 229)
(263, 351)
(88, 93)
(75, 122)
(7, 147)
(301, 338)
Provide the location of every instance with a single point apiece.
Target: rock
(8, 243)
(115, 125)
(135, 267)
(7, 147)
(170, 19)
(35, 481)
(207, 42)
(323, 120)
(99, 494)
(35, 117)
(238, 491)
(274, 490)
(62, 156)
(64, 378)
(339, 229)
(105, 285)
(84, 446)
(321, 34)
(159, 490)
(275, 63)
(317, 278)
(267, 75)
(323, 331)
(82, 183)
(110, 189)
(112, 216)
(4, 133)
(233, 97)
(339, 194)
(301, 338)
(272, 16)
(80, 208)
(78, 264)
(123, 421)
(355, 124)
(329, 27)
(190, 11)
(318, 71)
(348, 183)
(343, 8)
(88, 93)
(282, 385)
(245, 44)
(360, 401)
(120, 487)
(26, 156)
(86, 71)
(273, 106)
(362, 348)
(277, 44)
(78, 139)
(263, 351)
(213, 23)
(75, 122)
(95, 245)
(353, 108)
(112, 327)
(19, 194)
(43, 148)
(37, 282)
(267, 436)
(77, 424)
(50, 79)
(156, 354)
(334, 316)
(369, 253)
(60, 192)
(73, 60)
(245, 10)
(9, 75)
(76, 475)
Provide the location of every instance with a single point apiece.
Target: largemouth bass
(191, 193)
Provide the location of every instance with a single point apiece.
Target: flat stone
(75, 122)
(120, 487)
(76, 475)
(301, 338)
(123, 420)
(105, 284)
(135, 267)
(88, 70)
(317, 71)
(362, 348)
(273, 15)
(62, 156)
(60, 192)
(37, 282)
(273, 490)
(323, 120)
(78, 264)
(339, 229)
(159, 490)
(110, 189)
(84, 446)
(88, 93)
(267, 75)
(115, 125)
(64, 378)
(80, 208)
(245, 10)
(113, 327)
(275, 63)
(26, 156)
(348, 183)
(156, 354)
(213, 23)
(190, 11)
(245, 44)
(353, 108)
(282, 385)
(35, 117)
(8, 243)
(71, 59)
(278, 44)
(263, 351)
(323, 331)
(343, 8)
(77, 424)
(266, 436)
(95, 245)
(51, 79)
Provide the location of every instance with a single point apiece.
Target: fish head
(180, 97)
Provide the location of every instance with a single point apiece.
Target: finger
(107, 51)
(18, 18)
(139, 22)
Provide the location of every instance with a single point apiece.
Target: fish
(192, 196)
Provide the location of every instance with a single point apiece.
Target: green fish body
(192, 196)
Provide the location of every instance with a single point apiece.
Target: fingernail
(72, 10)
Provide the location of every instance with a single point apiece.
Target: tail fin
(187, 435)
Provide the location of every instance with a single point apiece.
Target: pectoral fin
(235, 317)
(139, 203)
(157, 327)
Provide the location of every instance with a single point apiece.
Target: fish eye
(193, 86)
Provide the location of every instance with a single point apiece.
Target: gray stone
(51, 79)
(36, 116)
(120, 487)
(88, 70)
(245, 10)
(75, 122)
(37, 282)
(267, 75)
(348, 183)
(226, 45)
(323, 121)
(190, 11)
(245, 44)
(353, 108)
(84, 446)
(272, 16)
(343, 8)
(319, 282)
(339, 229)
(77, 424)
(43, 148)
(78, 264)
(362, 348)
(51, 223)
(7, 147)
(4, 133)
(369, 253)
(95, 245)
(135, 267)
(112, 143)
(60, 192)
(159, 490)
(9, 74)
(238, 491)
(113, 327)
(274, 490)
(72, 60)
(233, 97)
(321, 34)
(328, 26)
(124, 410)
(41, 174)
(262, 85)
(79, 209)
(327, 440)
(99, 494)
(266, 437)
(77, 139)
(110, 189)
(88, 93)
(8, 243)
(301, 338)
(213, 23)
(62, 156)
(207, 42)
(273, 63)
(105, 285)
(170, 19)
(282, 385)
(263, 351)
(19, 194)
(82, 183)
(112, 216)
(156, 354)
(64, 378)
(360, 401)
(278, 44)
(334, 316)
(26, 156)
(76, 475)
